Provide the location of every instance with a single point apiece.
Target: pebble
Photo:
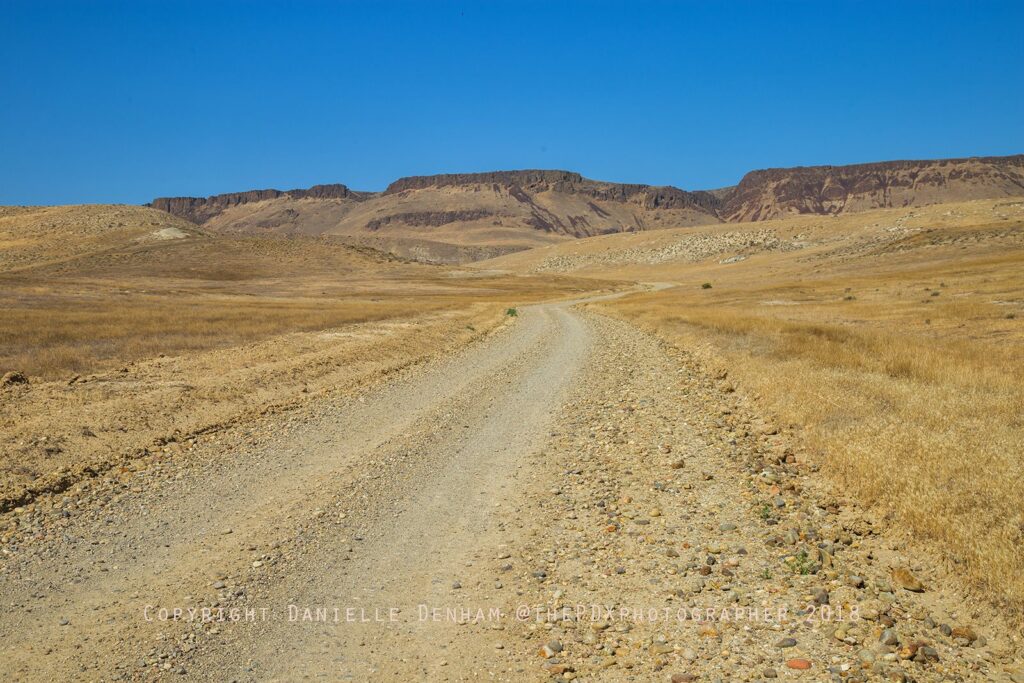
(889, 637)
(904, 579)
(964, 634)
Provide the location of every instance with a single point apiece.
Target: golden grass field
(898, 354)
(87, 288)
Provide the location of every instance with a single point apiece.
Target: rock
(820, 596)
(683, 678)
(726, 527)
(786, 642)
(908, 651)
(13, 377)
(770, 673)
(904, 579)
(964, 634)
(456, 585)
(799, 664)
(218, 584)
(64, 622)
(708, 631)
(854, 581)
(889, 637)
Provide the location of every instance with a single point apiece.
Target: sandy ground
(487, 515)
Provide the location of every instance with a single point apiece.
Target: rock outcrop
(201, 209)
(775, 192)
(514, 210)
(565, 182)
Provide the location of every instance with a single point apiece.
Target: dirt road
(503, 513)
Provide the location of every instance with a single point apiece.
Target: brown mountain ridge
(469, 216)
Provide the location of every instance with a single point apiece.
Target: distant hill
(31, 236)
(465, 217)
(202, 209)
(454, 218)
(778, 192)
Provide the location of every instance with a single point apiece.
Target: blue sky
(121, 102)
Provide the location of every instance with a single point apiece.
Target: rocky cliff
(775, 192)
(565, 182)
(512, 210)
(201, 209)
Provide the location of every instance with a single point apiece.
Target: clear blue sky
(121, 102)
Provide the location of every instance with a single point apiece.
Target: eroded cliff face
(510, 209)
(564, 182)
(775, 192)
(522, 209)
(201, 209)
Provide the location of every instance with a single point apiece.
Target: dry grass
(175, 337)
(62, 336)
(53, 335)
(907, 376)
(95, 287)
